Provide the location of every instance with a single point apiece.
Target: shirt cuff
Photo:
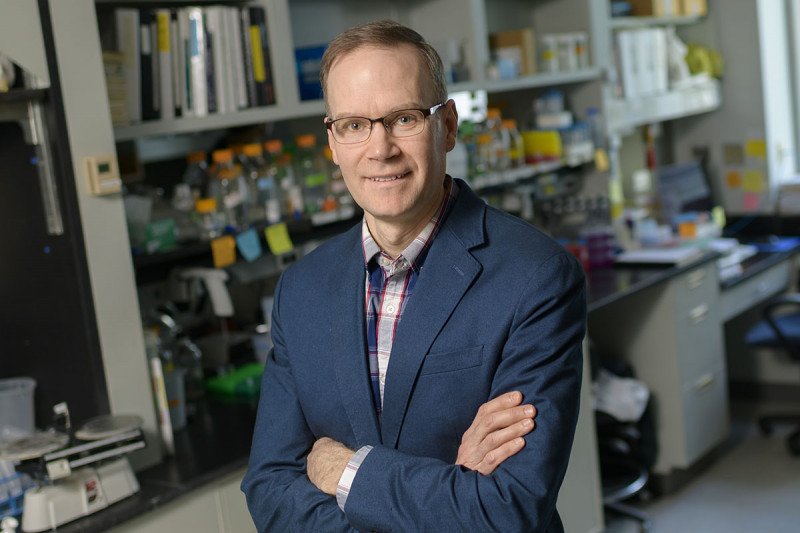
(346, 481)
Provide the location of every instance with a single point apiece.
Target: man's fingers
(494, 458)
(505, 418)
(504, 401)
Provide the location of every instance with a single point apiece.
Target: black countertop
(214, 443)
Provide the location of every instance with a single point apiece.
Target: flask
(275, 181)
(310, 173)
(228, 188)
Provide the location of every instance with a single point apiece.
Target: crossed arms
(495, 484)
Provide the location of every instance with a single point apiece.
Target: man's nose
(381, 143)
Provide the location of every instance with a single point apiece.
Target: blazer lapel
(448, 271)
(349, 351)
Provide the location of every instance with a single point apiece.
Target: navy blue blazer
(498, 306)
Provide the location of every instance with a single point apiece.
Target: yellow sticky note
(754, 181)
(278, 239)
(756, 148)
(600, 160)
(733, 178)
(223, 250)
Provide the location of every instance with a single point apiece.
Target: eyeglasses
(403, 123)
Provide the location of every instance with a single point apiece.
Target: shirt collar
(414, 253)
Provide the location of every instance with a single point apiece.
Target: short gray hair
(384, 34)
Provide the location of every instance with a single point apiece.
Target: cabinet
(671, 336)
(219, 507)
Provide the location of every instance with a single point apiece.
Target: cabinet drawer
(755, 290)
(699, 342)
(705, 414)
(696, 286)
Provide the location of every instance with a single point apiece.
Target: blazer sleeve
(279, 495)
(394, 491)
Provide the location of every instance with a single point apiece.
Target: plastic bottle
(277, 178)
(208, 218)
(310, 172)
(516, 151)
(501, 141)
(254, 169)
(196, 173)
(228, 188)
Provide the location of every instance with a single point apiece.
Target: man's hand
(496, 433)
(326, 463)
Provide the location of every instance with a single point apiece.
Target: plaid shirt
(389, 284)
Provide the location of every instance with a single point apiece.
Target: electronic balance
(79, 476)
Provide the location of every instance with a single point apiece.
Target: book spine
(177, 63)
(247, 58)
(211, 75)
(197, 61)
(127, 22)
(166, 83)
(146, 62)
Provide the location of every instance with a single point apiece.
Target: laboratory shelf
(626, 114)
(548, 79)
(215, 121)
(618, 23)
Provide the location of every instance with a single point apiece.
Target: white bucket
(16, 408)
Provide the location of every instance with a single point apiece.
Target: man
(404, 347)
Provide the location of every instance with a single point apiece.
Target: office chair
(780, 331)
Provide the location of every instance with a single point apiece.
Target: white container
(16, 408)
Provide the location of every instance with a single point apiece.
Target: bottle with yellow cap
(276, 179)
(253, 169)
(208, 219)
(311, 173)
(227, 181)
(516, 151)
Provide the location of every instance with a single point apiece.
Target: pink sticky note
(751, 201)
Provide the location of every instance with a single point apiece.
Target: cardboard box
(523, 44)
(656, 8)
(694, 7)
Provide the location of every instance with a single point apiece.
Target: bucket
(16, 408)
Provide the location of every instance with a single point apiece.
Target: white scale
(76, 480)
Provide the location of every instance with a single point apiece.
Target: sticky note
(756, 148)
(733, 154)
(750, 201)
(600, 160)
(278, 239)
(754, 181)
(249, 245)
(223, 250)
(734, 179)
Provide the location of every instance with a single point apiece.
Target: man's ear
(332, 146)
(450, 123)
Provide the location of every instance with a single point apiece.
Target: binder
(196, 45)
(165, 80)
(127, 22)
(247, 55)
(177, 54)
(262, 68)
(149, 67)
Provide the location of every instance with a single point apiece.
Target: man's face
(395, 180)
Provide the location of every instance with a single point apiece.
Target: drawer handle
(704, 382)
(696, 278)
(699, 313)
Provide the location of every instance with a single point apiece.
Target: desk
(668, 323)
